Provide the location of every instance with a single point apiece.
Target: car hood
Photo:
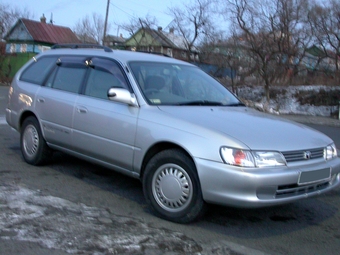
(257, 130)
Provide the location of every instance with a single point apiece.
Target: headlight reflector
(237, 157)
(247, 158)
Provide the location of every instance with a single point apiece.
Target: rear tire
(172, 188)
(33, 146)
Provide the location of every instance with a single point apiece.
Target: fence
(11, 63)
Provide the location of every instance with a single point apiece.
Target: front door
(103, 129)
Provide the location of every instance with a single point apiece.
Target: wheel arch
(158, 147)
(24, 116)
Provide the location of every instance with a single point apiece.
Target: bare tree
(83, 30)
(137, 23)
(325, 23)
(90, 29)
(193, 22)
(9, 15)
(140, 24)
(272, 34)
(98, 27)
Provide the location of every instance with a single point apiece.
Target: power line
(134, 15)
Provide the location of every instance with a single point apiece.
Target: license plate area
(314, 176)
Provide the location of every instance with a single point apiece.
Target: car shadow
(269, 221)
(98, 176)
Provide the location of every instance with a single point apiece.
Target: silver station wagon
(188, 139)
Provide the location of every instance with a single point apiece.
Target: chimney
(160, 29)
(43, 19)
(171, 30)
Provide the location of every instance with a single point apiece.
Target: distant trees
(265, 39)
(193, 22)
(325, 24)
(269, 34)
(8, 17)
(90, 29)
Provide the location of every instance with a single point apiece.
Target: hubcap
(172, 187)
(30, 141)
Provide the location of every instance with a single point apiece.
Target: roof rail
(81, 46)
(155, 53)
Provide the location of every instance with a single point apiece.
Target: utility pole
(105, 25)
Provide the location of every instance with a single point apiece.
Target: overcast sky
(69, 12)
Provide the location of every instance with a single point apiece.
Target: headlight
(330, 152)
(246, 158)
(237, 157)
(269, 158)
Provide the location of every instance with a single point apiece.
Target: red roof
(49, 33)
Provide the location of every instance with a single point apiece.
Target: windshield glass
(173, 84)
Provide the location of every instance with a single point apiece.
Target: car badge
(307, 155)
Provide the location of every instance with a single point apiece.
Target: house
(28, 38)
(115, 42)
(315, 59)
(34, 37)
(160, 42)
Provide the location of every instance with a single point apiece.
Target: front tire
(171, 187)
(33, 145)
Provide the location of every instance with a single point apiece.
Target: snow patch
(286, 102)
(56, 223)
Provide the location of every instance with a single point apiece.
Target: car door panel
(55, 110)
(105, 130)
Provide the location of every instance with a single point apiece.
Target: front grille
(294, 190)
(292, 156)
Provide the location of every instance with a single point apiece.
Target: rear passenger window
(69, 78)
(36, 73)
(68, 75)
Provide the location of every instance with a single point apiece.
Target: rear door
(55, 101)
(103, 129)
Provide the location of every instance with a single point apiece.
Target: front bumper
(257, 187)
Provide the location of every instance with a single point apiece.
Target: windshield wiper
(236, 104)
(201, 102)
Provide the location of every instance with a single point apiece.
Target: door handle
(41, 100)
(81, 109)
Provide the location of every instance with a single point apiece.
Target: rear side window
(68, 75)
(69, 78)
(36, 73)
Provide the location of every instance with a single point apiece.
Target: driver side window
(104, 74)
(99, 82)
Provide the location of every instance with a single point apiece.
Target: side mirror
(122, 95)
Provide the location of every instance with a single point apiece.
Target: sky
(69, 12)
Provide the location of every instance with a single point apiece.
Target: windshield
(173, 84)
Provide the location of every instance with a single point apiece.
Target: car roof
(120, 55)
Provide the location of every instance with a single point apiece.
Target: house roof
(158, 38)
(43, 32)
(118, 39)
(161, 38)
(177, 40)
(315, 51)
